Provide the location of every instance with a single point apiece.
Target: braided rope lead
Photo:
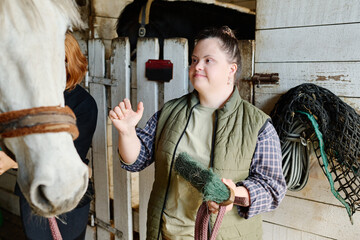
(202, 219)
(55, 232)
(326, 164)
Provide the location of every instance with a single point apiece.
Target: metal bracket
(265, 78)
(142, 31)
(107, 227)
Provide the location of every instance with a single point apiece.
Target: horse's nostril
(41, 196)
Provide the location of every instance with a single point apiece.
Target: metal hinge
(265, 78)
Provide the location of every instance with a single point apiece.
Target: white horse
(51, 174)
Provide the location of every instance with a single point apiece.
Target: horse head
(51, 174)
(170, 19)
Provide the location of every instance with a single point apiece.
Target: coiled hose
(296, 157)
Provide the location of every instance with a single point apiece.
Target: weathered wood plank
(342, 78)
(247, 54)
(353, 102)
(104, 27)
(266, 101)
(315, 218)
(120, 71)
(90, 233)
(276, 232)
(289, 13)
(333, 43)
(99, 143)
(176, 50)
(147, 92)
(108, 9)
(307, 41)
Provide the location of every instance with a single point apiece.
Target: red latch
(159, 70)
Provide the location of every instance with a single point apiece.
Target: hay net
(333, 128)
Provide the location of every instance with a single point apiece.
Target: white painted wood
(104, 27)
(99, 146)
(309, 42)
(120, 71)
(176, 50)
(290, 13)
(147, 92)
(353, 102)
(342, 78)
(334, 43)
(314, 217)
(277, 232)
(109, 8)
(90, 233)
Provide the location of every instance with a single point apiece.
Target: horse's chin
(51, 212)
(42, 206)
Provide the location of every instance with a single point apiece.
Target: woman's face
(210, 69)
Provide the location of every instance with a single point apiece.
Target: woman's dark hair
(228, 43)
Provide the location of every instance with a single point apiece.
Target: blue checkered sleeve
(265, 183)
(147, 139)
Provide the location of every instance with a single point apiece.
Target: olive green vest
(238, 126)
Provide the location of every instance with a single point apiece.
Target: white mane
(31, 13)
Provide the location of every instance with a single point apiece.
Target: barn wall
(104, 15)
(313, 42)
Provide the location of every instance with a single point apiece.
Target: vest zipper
(212, 158)
(213, 140)
(171, 166)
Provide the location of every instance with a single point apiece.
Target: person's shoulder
(253, 109)
(176, 101)
(85, 95)
(79, 99)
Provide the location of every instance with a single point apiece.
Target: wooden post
(147, 92)
(176, 50)
(99, 146)
(120, 73)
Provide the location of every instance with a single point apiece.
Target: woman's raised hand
(124, 118)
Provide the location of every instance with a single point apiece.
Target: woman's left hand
(213, 206)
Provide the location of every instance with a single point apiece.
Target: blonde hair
(75, 62)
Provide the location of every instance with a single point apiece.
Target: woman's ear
(233, 69)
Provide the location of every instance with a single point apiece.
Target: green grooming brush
(204, 180)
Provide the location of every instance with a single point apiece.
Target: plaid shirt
(265, 183)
